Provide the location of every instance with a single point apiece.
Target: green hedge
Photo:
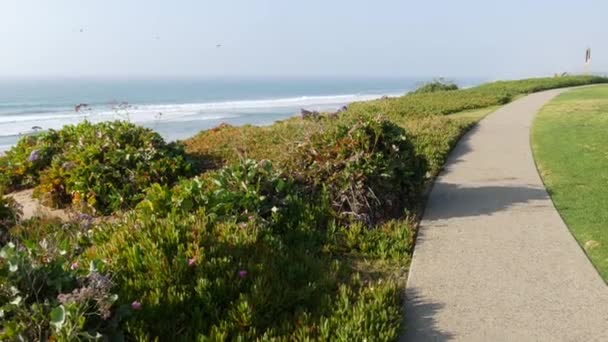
(102, 167)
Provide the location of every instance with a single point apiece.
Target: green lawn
(570, 143)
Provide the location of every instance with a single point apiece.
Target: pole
(587, 60)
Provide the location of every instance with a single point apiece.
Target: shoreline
(188, 125)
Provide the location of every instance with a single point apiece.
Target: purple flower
(84, 217)
(136, 305)
(74, 265)
(242, 274)
(191, 262)
(34, 156)
(85, 220)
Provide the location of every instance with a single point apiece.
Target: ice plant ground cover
(298, 230)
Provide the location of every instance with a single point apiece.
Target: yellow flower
(76, 198)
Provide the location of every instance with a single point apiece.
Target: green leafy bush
(370, 168)
(46, 294)
(238, 192)
(227, 144)
(10, 212)
(21, 166)
(435, 86)
(101, 167)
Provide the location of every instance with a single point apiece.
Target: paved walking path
(493, 259)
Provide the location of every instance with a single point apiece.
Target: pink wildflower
(242, 274)
(136, 305)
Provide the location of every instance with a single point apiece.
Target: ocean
(179, 109)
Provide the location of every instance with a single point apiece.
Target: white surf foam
(16, 124)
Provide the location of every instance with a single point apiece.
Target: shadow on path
(452, 200)
(462, 148)
(420, 323)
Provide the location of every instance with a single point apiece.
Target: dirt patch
(31, 207)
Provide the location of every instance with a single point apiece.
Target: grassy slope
(475, 114)
(570, 142)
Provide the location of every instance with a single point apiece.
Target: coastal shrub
(369, 168)
(244, 253)
(100, 167)
(367, 164)
(223, 279)
(432, 136)
(10, 212)
(45, 294)
(227, 144)
(435, 86)
(238, 192)
(21, 166)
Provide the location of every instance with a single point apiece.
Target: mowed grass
(570, 143)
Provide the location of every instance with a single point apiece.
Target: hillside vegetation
(295, 231)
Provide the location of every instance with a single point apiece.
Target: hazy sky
(290, 38)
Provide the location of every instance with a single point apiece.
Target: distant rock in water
(337, 113)
(81, 106)
(313, 114)
(309, 114)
